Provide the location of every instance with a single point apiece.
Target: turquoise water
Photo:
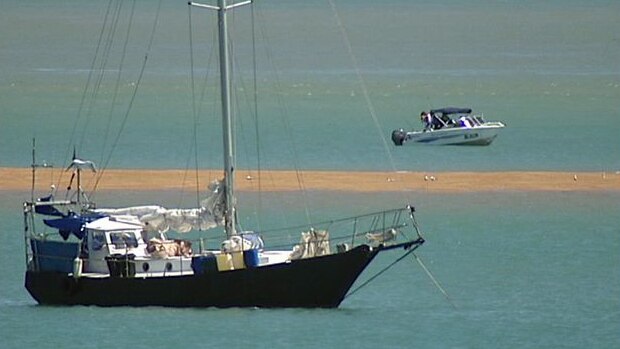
(523, 269)
(550, 71)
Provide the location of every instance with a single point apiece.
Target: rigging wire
(118, 81)
(256, 118)
(102, 69)
(386, 147)
(285, 121)
(203, 95)
(102, 31)
(131, 101)
(197, 104)
(366, 94)
(252, 105)
(194, 109)
(362, 82)
(235, 120)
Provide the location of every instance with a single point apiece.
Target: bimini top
(451, 110)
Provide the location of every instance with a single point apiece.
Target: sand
(114, 179)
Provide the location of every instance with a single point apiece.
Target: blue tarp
(71, 224)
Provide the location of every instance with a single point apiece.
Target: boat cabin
(121, 247)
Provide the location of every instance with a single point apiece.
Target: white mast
(227, 117)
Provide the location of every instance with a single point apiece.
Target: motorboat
(451, 126)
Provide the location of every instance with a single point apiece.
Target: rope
(426, 270)
(434, 280)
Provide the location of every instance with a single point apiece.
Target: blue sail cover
(72, 224)
(451, 110)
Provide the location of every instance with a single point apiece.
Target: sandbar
(288, 180)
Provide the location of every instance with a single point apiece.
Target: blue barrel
(204, 264)
(250, 258)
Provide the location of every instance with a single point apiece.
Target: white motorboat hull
(477, 135)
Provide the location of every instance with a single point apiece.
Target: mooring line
(434, 280)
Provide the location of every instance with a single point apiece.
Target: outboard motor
(398, 136)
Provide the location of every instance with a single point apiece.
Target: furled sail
(160, 219)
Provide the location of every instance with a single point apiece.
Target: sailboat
(122, 257)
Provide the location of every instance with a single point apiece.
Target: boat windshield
(123, 239)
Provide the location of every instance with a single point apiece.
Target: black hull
(320, 282)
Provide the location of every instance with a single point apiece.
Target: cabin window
(98, 240)
(123, 240)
